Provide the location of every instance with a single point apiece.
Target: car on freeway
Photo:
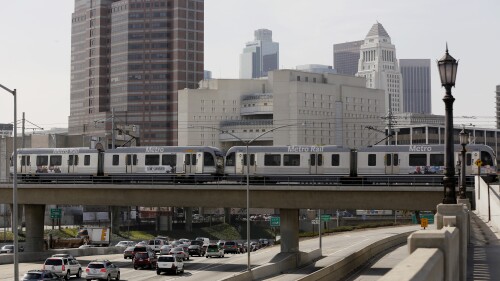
(254, 246)
(8, 249)
(41, 275)
(213, 250)
(264, 242)
(156, 244)
(175, 243)
(196, 248)
(170, 264)
(125, 244)
(205, 240)
(242, 248)
(128, 253)
(165, 249)
(179, 251)
(142, 243)
(145, 260)
(138, 249)
(220, 243)
(231, 247)
(63, 267)
(102, 270)
(184, 241)
(86, 246)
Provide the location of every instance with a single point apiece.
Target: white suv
(169, 263)
(63, 267)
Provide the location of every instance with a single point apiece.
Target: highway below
(335, 247)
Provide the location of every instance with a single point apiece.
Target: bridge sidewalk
(483, 255)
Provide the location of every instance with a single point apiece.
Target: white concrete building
(379, 65)
(259, 56)
(325, 109)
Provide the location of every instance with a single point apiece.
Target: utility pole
(113, 128)
(23, 139)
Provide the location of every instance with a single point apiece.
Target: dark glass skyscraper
(132, 56)
(346, 57)
(416, 75)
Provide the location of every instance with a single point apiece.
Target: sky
(35, 46)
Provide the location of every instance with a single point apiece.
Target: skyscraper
(378, 64)
(346, 57)
(259, 56)
(416, 75)
(131, 57)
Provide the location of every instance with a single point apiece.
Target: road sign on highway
(55, 213)
(478, 162)
(275, 221)
(315, 221)
(326, 217)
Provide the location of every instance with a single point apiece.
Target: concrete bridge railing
(434, 254)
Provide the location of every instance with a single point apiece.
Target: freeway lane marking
(349, 246)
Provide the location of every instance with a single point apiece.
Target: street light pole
(464, 138)
(14, 187)
(448, 71)
(247, 143)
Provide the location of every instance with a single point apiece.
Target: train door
(190, 163)
(316, 164)
(391, 163)
(130, 163)
(252, 167)
(72, 163)
(25, 164)
(200, 158)
(239, 166)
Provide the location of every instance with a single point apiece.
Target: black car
(40, 275)
(196, 248)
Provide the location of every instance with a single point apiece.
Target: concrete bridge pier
(289, 229)
(227, 215)
(34, 228)
(188, 213)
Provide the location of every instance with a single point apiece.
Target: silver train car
(159, 163)
(326, 164)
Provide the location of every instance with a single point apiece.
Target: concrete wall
(488, 209)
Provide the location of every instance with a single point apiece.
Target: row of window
(287, 159)
(56, 160)
(164, 159)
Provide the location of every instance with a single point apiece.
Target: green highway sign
(275, 221)
(326, 217)
(55, 213)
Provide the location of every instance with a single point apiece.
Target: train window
(388, 160)
(418, 160)
(320, 159)
(56, 160)
(252, 159)
(291, 160)
(131, 159)
(469, 159)
(272, 160)
(396, 159)
(70, 160)
(193, 159)
(313, 160)
(25, 161)
(486, 159)
(116, 160)
(152, 160)
(42, 160)
(73, 160)
(86, 160)
(169, 160)
(208, 159)
(230, 159)
(187, 159)
(372, 160)
(436, 160)
(335, 160)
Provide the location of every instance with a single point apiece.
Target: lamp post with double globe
(464, 139)
(247, 162)
(14, 186)
(448, 72)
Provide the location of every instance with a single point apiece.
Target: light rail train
(268, 164)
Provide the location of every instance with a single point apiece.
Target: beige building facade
(315, 109)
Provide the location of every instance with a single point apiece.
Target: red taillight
(87, 269)
(103, 270)
(63, 268)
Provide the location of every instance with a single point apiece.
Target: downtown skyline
(35, 58)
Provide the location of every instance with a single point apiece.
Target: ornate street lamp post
(448, 72)
(464, 139)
